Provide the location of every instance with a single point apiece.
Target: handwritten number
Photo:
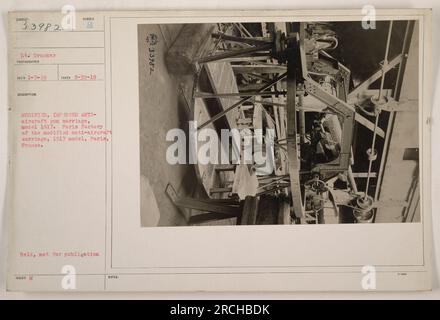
(152, 41)
(43, 26)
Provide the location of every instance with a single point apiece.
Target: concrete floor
(159, 111)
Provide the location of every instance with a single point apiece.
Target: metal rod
(233, 53)
(302, 116)
(400, 64)
(275, 181)
(243, 31)
(385, 61)
(207, 95)
(372, 152)
(217, 43)
(235, 105)
(246, 40)
(258, 68)
(270, 103)
(350, 177)
(225, 167)
(382, 81)
(258, 76)
(405, 48)
(364, 174)
(271, 190)
(256, 57)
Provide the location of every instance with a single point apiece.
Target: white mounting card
(124, 126)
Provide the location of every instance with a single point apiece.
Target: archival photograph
(266, 123)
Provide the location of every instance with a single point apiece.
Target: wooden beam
(244, 30)
(250, 210)
(384, 156)
(337, 105)
(207, 95)
(239, 103)
(364, 85)
(402, 66)
(247, 40)
(284, 212)
(402, 106)
(206, 206)
(292, 147)
(364, 175)
(219, 190)
(342, 109)
(367, 123)
(233, 53)
(260, 68)
(257, 58)
(209, 217)
(224, 167)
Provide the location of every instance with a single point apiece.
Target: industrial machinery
(285, 78)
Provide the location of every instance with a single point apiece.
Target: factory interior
(342, 101)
